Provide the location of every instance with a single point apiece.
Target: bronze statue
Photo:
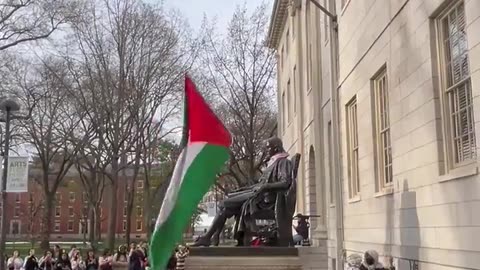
(245, 202)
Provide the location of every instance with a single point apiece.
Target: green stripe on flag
(198, 179)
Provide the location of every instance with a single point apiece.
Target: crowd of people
(132, 258)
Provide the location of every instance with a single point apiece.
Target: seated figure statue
(277, 175)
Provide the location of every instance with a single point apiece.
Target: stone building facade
(405, 79)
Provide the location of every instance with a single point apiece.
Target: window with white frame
(124, 225)
(284, 111)
(16, 211)
(56, 226)
(17, 198)
(287, 40)
(383, 142)
(71, 196)
(331, 174)
(125, 211)
(71, 213)
(139, 225)
(456, 86)
(58, 197)
(57, 211)
(139, 211)
(352, 147)
(70, 226)
(294, 90)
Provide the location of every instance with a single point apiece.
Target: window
(139, 211)
(325, 20)
(57, 211)
(70, 211)
(125, 211)
(70, 226)
(124, 225)
(16, 211)
(139, 225)
(56, 227)
(330, 164)
(17, 198)
(310, 67)
(284, 112)
(140, 184)
(352, 146)
(382, 131)
(287, 40)
(71, 196)
(293, 90)
(456, 87)
(15, 227)
(281, 57)
(58, 197)
(289, 106)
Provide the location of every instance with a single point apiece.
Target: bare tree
(23, 21)
(48, 131)
(242, 71)
(129, 66)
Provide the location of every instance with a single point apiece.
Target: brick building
(24, 212)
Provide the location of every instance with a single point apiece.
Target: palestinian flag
(205, 152)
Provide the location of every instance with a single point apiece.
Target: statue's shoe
(202, 242)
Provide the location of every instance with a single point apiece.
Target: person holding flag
(205, 145)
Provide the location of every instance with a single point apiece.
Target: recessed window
(140, 184)
(352, 146)
(124, 225)
(58, 211)
(17, 198)
(139, 211)
(71, 213)
(16, 211)
(382, 131)
(457, 101)
(58, 197)
(71, 196)
(56, 226)
(125, 211)
(70, 226)
(139, 225)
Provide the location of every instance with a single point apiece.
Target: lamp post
(8, 106)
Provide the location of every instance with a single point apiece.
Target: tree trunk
(112, 219)
(47, 221)
(91, 226)
(147, 208)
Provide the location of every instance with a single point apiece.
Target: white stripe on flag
(189, 153)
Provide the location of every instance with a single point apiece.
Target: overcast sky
(222, 9)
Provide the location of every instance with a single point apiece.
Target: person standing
(137, 260)
(31, 262)
(91, 261)
(105, 261)
(47, 262)
(15, 262)
(120, 259)
(77, 261)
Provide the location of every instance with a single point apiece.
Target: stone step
(243, 263)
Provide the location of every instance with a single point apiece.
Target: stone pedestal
(257, 258)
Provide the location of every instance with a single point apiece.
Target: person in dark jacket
(137, 259)
(63, 263)
(47, 262)
(31, 262)
(370, 261)
(91, 261)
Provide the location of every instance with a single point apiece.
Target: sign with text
(17, 174)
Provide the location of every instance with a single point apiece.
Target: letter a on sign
(17, 175)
